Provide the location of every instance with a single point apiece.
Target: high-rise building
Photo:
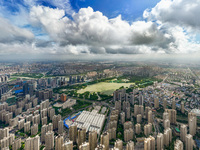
(93, 140)
(36, 119)
(100, 147)
(73, 132)
(128, 134)
(25, 89)
(126, 97)
(60, 127)
(160, 141)
(164, 103)
(192, 123)
(122, 117)
(118, 105)
(149, 143)
(156, 102)
(150, 117)
(81, 136)
(44, 130)
(105, 140)
(165, 115)
(63, 97)
(141, 99)
(147, 109)
(49, 140)
(44, 104)
(132, 101)
(112, 133)
(16, 144)
(35, 102)
(166, 123)
(34, 129)
(137, 128)
(112, 124)
(119, 144)
(178, 145)
(172, 115)
(43, 113)
(183, 132)
(84, 146)
(27, 126)
(59, 140)
(174, 103)
(32, 143)
(128, 113)
(167, 136)
(55, 120)
(189, 142)
(68, 145)
(7, 140)
(138, 109)
(70, 79)
(130, 145)
(128, 125)
(51, 113)
(139, 118)
(125, 105)
(148, 129)
(152, 143)
(21, 124)
(44, 120)
(182, 107)
(115, 95)
(31, 89)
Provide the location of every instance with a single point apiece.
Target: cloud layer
(167, 28)
(182, 12)
(98, 33)
(10, 33)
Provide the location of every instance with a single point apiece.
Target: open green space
(104, 87)
(28, 75)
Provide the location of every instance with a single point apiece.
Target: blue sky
(99, 27)
(129, 9)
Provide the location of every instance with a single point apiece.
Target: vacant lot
(104, 87)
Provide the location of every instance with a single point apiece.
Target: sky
(59, 29)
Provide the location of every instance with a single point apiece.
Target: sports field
(104, 87)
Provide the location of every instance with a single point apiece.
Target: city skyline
(64, 29)
(91, 105)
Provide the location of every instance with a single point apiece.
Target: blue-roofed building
(18, 91)
(16, 85)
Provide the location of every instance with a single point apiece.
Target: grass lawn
(104, 87)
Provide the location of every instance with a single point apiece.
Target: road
(165, 79)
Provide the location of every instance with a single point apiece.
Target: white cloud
(97, 31)
(89, 32)
(182, 12)
(11, 33)
(179, 19)
(182, 41)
